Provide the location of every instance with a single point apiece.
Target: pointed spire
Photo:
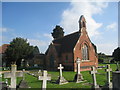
(82, 22)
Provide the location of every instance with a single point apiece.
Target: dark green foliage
(101, 57)
(57, 32)
(18, 49)
(116, 54)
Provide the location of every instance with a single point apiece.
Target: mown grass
(33, 82)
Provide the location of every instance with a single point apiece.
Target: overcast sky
(36, 20)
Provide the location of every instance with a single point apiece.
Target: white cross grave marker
(93, 72)
(61, 80)
(78, 77)
(78, 65)
(108, 76)
(60, 67)
(44, 78)
(13, 74)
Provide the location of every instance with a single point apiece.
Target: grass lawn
(33, 82)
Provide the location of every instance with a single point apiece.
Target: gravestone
(13, 74)
(44, 77)
(108, 84)
(78, 77)
(93, 72)
(61, 79)
(116, 80)
(23, 83)
(39, 72)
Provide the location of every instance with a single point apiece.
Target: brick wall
(93, 61)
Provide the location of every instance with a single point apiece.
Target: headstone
(22, 63)
(23, 83)
(44, 77)
(116, 80)
(61, 79)
(93, 72)
(78, 77)
(39, 73)
(13, 74)
(108, 84)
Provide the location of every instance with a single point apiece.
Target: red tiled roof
(3, 48)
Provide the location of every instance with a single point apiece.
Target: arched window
(85, 52)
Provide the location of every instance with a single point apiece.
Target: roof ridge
(67, 35)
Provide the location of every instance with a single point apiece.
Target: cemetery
(96, 78)
(70, 61)
(51, 71)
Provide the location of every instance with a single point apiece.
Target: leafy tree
(101, 57)
(57, 32)
(18, 49)
(116, 54)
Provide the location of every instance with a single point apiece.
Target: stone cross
(78, 65)
(108, 75)
(93, 72)
(78, 77)
(61, 80)
(44, 78)
(13, 74)
(60, 67)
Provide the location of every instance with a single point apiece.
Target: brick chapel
(66, 49)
